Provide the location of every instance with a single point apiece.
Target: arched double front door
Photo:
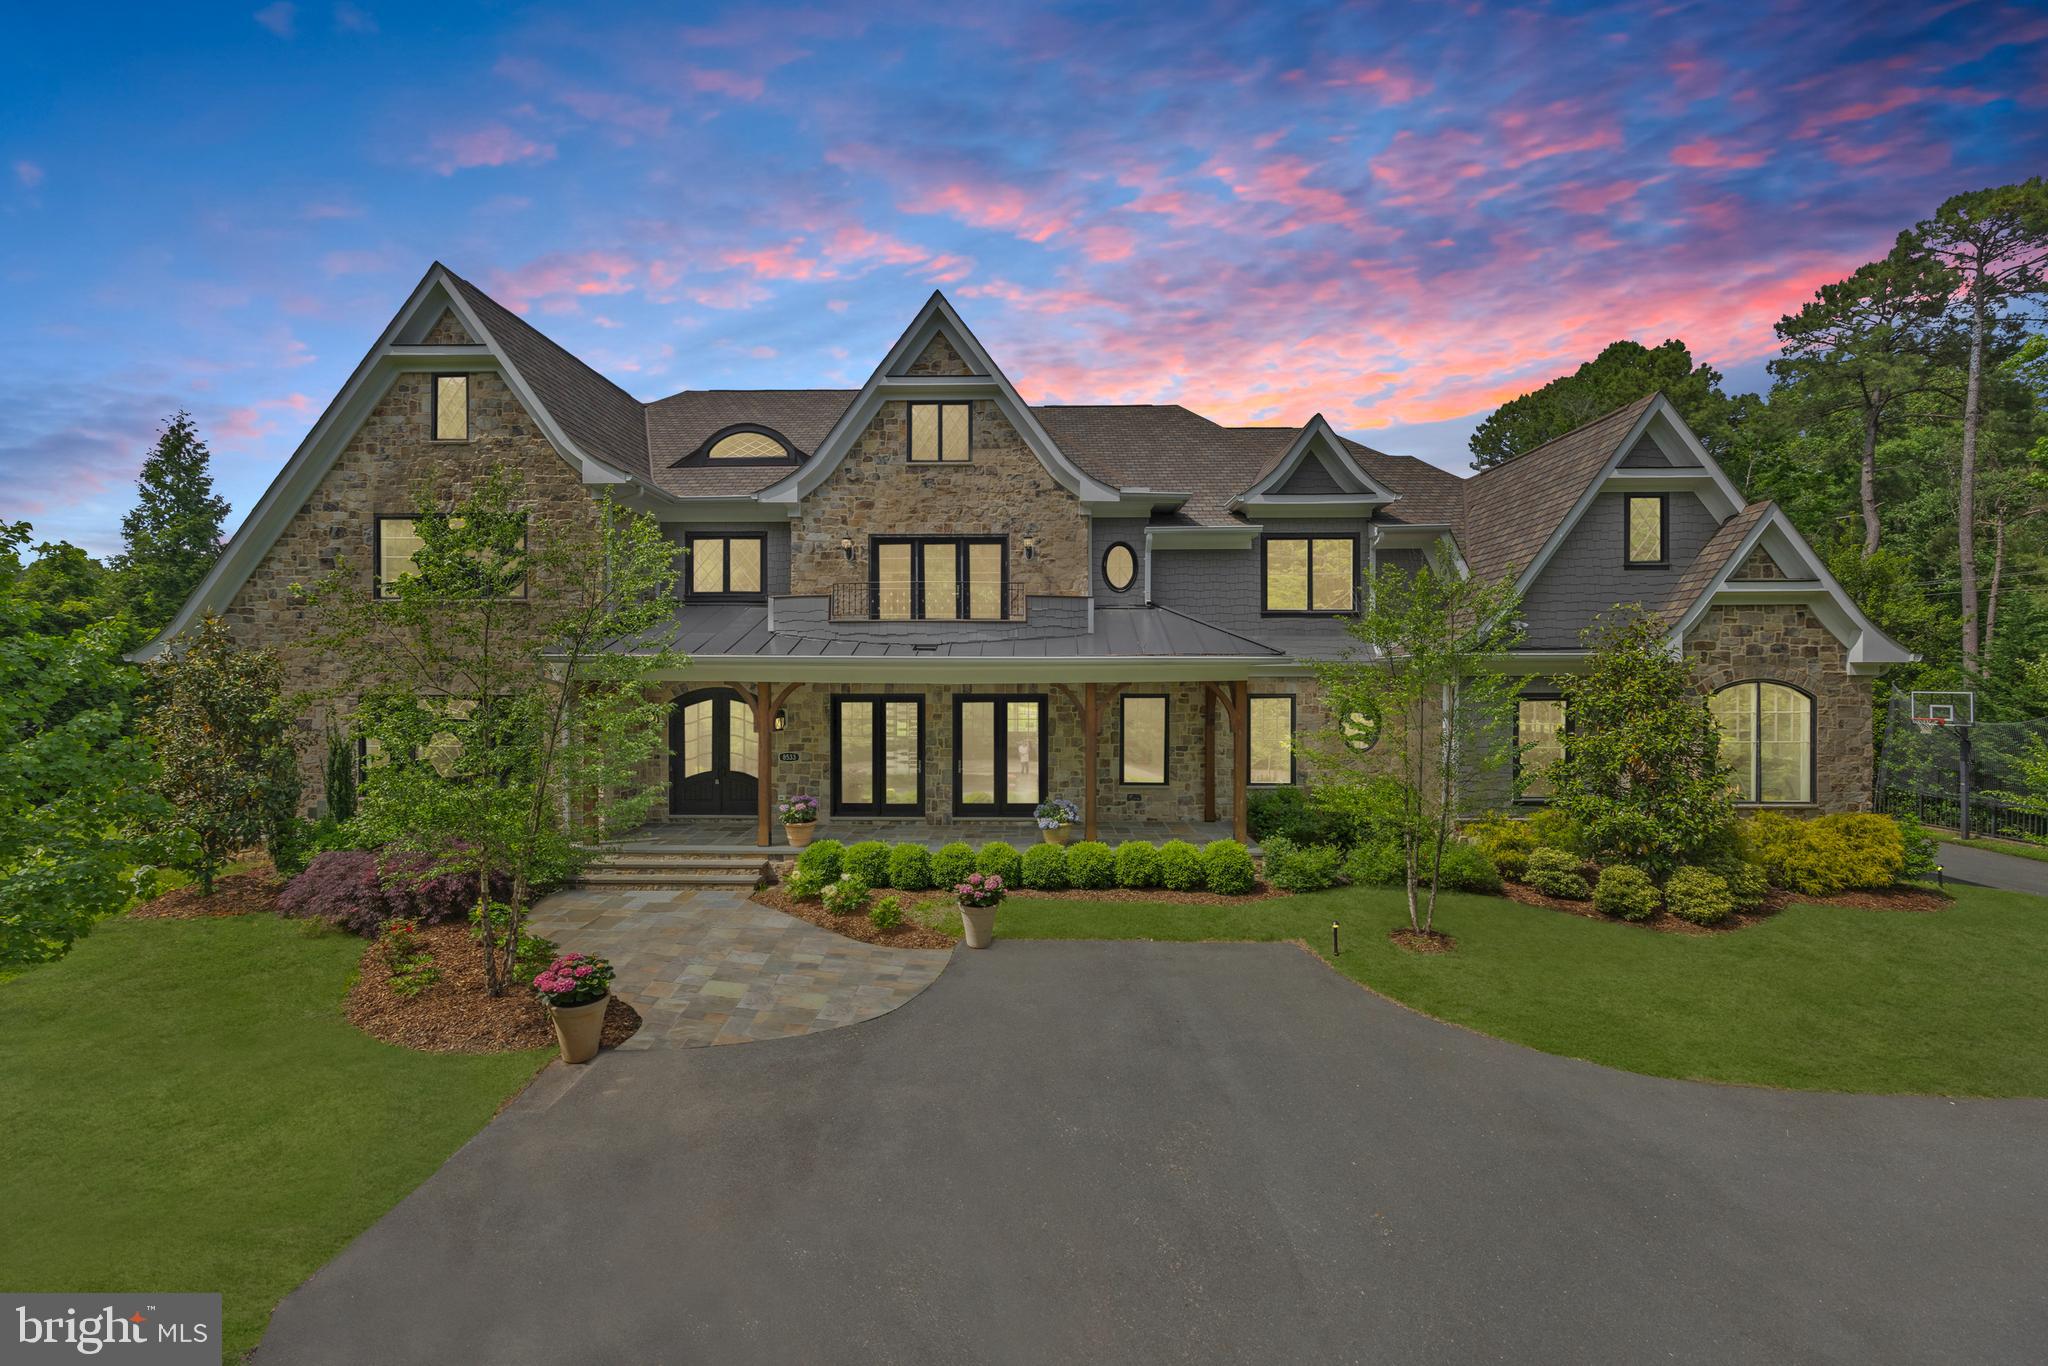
(713, 759)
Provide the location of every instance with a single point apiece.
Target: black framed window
(1767, 739)
(999, 754)
(451, 407)
(727, 566)
(1142, 750)
(941, 433)
(398, 541)
(1272, 740)
(877, 755)
(938, 578)
(1119, 567)
(1539, 743)
(1308, 574)
(1646, 530)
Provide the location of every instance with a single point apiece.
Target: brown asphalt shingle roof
(1713, 558)
(1512, 509)
(678, 427)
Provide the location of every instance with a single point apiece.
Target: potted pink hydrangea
(799, 817)
(576, 987)
(979, 896)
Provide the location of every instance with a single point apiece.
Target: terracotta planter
(978, 925)
(1057, 835)
(579, 1028)
(800, 834)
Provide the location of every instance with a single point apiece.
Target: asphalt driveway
(1066, 1152)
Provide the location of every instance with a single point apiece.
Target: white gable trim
(1661, 422)
(388, 358)
(884, 385)
(1320, 438)
(1868, 647)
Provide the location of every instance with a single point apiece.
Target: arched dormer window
(748, 443)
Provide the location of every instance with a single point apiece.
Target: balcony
(900, 600)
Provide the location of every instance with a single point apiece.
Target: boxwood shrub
(1090, 864)
(1698, 895)
(1180, 867)
(821, 857)
(910, 868)
(1748, 888)
(952, 864)
(868, 861)
(1045, 867)
(1466, 868)
(1554, 872)
(1302, 867)
(1626, 891)
(1137, 864)
(998, 859)
(1227, 868)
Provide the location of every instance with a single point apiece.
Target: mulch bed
(908, 935)
(1891, 899)
(1421, 941)
(456, 1014)
(250, 893)
(1261, 891)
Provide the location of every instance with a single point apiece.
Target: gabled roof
(1513, 509)
(680, 425)
(1316, 435)
(1714, 557)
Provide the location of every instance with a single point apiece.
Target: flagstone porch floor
(736, 833)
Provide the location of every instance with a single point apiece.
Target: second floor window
(941, 433)
(951, 578)
(398, 542)
(1646, 530)
(725, 566)
(451, 407)
(1311, 574)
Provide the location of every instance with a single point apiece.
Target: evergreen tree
(173, 534)
(1618, 376)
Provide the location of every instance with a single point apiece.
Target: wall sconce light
(782, 718)
(846, 548)
(1030, 547)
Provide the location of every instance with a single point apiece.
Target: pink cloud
(558, 280)
(619, 111)
(1707, 154)
(782, 262)
(1391, 86)
(494, 144)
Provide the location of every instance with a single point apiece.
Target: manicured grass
(186, 1109)
(1816, 997)
(2036, 852)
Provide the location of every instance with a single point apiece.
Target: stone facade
(1789, 644)
(448, 331)
(939, 358)
(1002, 490)
(387, 458)
(1759, 566)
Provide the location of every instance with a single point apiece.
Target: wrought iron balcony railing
(866, 600)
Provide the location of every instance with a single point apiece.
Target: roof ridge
(1561, 437)
(514, 315)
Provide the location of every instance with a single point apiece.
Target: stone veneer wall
(1788, 644)
(1759, 565)
(1003, 489)
(939, 358)
(376, 473)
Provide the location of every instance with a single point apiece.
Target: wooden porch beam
(764, 763)
(1209, 751)
(1241, 760)
(1088, 763)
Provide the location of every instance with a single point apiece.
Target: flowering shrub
(979, 890)
(574, 979)
(1056, 813)
(799, 809)
(410, 961)
(846, 896)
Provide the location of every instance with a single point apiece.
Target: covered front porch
(700, 834)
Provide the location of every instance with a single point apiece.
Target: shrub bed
(357, 890)
(1045, 867)
(1137, 865)
(1699, 896)
(1554, 872)
(1626, 892)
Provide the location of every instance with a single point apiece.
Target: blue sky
(1395, 215)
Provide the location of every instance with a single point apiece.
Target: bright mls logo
(166, 1330)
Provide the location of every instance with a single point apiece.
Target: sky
(1396, 215)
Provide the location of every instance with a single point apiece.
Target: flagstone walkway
(711, 967)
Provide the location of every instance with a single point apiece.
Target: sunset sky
(1395, 215)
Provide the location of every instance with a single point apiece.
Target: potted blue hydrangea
(1054, 815)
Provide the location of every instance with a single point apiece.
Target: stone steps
(656, 870)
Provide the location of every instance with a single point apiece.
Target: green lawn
(1819, 998)
(187, 1110)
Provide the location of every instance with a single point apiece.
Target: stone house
(927, 599)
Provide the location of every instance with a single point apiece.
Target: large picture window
(1767, 738)
(999, 754)
(726, 566)
(941, 433)
(1143, 746)
(1539, 743)
(938, 578)
(1310, 573)
(1272, 736)
(877, 756)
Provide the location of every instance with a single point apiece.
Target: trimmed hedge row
(1223, 866)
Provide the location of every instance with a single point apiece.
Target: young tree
(512, 726)
(1996, 244)
(74, 780)
(1618, 376)
(172, 535)
(1862, 347)
(1430, 671)
(1641, 774)
(216, 715)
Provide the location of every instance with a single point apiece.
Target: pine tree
(1622, 373)
(173, 534)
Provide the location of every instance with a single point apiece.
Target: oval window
(1119, 567)
(1361, 730)
(747, 446)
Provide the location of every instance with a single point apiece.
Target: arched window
(1119, 567)
(1767, 738)
(749, 444)
(1362, 730)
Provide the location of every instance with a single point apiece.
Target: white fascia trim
(1317, 433)
(1202, 537)
(1136, 503)
(1868, 647)
(882, 384)
(1309, 505)
(1725, 502)
(1410, 535)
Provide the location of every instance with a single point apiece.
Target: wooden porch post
(1241, 759)
(764, 763)
(1089, 713)
(1208, 751)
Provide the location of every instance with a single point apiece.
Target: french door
(999, 747)
(713, 758)
(878, 756)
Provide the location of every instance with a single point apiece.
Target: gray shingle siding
(1309, 477)
(1223, 587)
(1586, 576)
(1104, 532)
(774, 550)
(1647, 454)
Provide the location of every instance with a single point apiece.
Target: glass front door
(877, 756)
(713, 755)
(999, 755)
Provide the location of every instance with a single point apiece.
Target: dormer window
(748, 444)
(941, 433)
(451, 407)
(1646, 523)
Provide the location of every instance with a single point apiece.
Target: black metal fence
(1988, 815)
